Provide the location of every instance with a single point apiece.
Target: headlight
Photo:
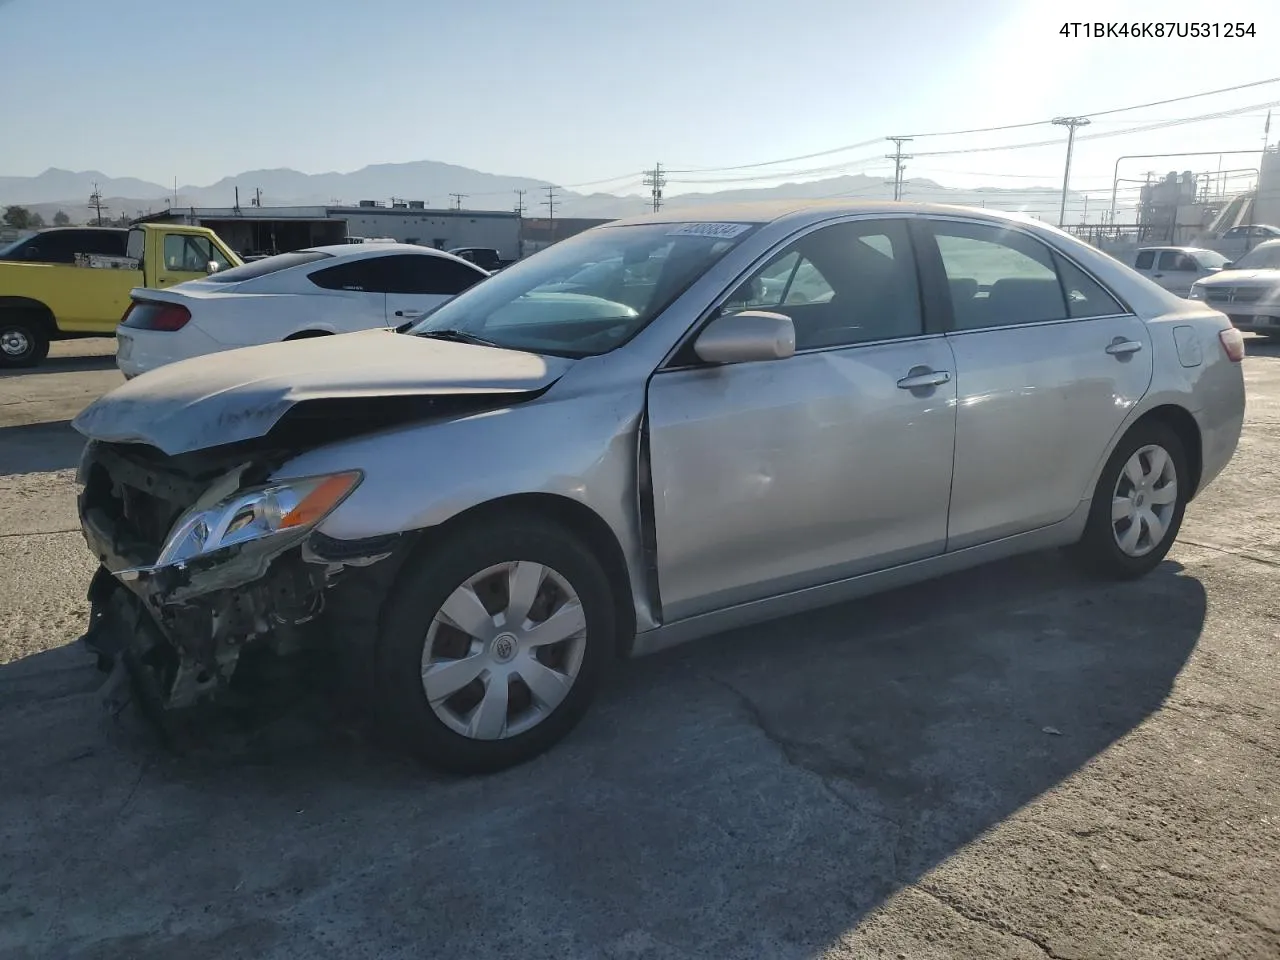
(1197, 292)
(289, 506)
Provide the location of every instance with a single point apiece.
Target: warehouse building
(254, 230)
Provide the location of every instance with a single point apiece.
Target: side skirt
(1060, 534)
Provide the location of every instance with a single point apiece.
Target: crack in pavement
(789, 750)
(1230, 552)
(949, 903)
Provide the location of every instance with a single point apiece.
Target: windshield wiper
(456, 336)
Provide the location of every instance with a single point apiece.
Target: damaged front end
(205, 559)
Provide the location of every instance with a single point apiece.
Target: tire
(1100, 551)
(461, 732)
(24, 340)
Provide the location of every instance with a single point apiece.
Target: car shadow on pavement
(756, 794)
(75, 364)
(39, 448)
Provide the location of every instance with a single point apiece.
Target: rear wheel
(24, 341)
(492, 644)
(1138, 504)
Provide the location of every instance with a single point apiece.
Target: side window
(425, 275)
(356, 275)
(1176, 260)
(1146, 260)
(998, 277)
(53, 247)
(187, 254)
(1085, 297)
(845, 284)
(104, 242)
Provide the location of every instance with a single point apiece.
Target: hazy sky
(584, 90)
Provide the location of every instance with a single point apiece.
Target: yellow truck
(57, 292)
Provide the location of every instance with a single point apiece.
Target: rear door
(418, 282)
(1048, 365)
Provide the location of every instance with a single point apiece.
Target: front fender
(580, 446)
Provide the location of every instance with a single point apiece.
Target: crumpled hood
(241, 394)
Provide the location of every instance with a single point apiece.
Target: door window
(999, 277)
(1176, 260)
(424, 275)
(184, 253)
(844, 284)
(1146, 260)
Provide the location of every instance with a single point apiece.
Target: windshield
(12, 245)
(1210, 259)
(1263, 257)
(589, 294)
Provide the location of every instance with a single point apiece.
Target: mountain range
(436, 183)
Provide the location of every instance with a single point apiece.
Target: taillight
(1232, 344)
(150, 315)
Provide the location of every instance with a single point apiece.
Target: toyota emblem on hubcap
(504, 647)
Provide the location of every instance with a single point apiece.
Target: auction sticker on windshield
(721, 231)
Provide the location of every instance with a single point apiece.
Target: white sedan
(307, 293)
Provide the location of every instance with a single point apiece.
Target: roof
(374, 249)
(767, 211)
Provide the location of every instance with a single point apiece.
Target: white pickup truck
(1178, 268)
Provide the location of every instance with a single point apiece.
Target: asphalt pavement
(1009, 763)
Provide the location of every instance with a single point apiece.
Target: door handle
(927, 378)
(1157, 274)
(411, 314)
(1122, 348)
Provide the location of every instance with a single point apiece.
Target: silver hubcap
(1144, 500)
(504, 650)
(14, 343)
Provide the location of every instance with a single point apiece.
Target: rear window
(269, 265)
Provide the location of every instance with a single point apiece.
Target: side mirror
(211, 267)
(746, 337)
(1228, 265)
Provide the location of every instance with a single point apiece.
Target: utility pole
(1070, 123)
(520, 203)
(257, 197)
(898, 157)
(1260, 205)
(550, 204)
(656, 180)
(95, 200)
(457, 200)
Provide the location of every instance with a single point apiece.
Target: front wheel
(492, 644)
(1137, 505)
(23, 340)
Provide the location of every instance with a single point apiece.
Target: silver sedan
(754, 411)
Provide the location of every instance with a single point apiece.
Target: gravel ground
(1007, 763)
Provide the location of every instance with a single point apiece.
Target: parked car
(1248, 292)
(85, 296)
(291, 296)
(1257, 232)
(485, 257)
(1177, 268)
(471, 516)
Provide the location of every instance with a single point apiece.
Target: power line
(457, 200)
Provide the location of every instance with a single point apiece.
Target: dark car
(486, 258)
(61, 244)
